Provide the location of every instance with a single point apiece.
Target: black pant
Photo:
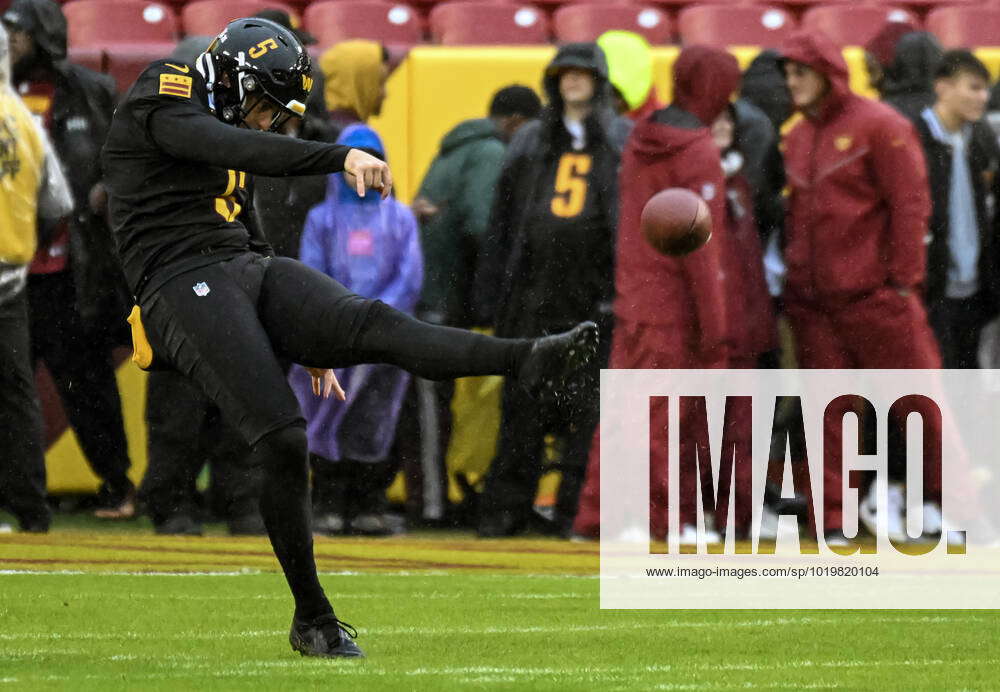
(957, 324)
(227, 325)
(512, 481)
(349, 488)
(186, 431)
(22, 461)
(79, 358)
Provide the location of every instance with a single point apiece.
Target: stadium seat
(209, 17)
(677, 4)
(854, 25)
(585, 21)
(925, 4)
(487, 23)
(338, 20)
(734, 25)
(107, 22)
(965, 27)
(125, 62)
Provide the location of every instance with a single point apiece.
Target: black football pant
(22, 460)
(512, 481)
(957, 324)
(79, 359)
(186, 431)
(227, 325)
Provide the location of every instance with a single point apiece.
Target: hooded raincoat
(353, 77)
(372, 247)
(858, 199)
(671, 312)
(511, 289)
(461, 182)
(855, 243)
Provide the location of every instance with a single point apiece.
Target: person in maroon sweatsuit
(670, 312)
(858, 208)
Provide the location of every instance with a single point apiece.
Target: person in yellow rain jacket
(32, 192)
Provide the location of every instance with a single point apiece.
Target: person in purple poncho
(372, 246)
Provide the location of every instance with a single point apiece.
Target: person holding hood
(76, 289)
(670, 312)
(549, 265)
(858, 209)
(372, 246)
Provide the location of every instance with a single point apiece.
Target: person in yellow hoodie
(355, 73)
(33, 191)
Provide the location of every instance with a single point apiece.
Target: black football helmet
(260, 60)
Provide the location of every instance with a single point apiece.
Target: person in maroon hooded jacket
(670, 312)
(858, 209)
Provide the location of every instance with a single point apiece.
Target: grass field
(92, 608)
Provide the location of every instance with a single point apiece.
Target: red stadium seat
(487, 23)
(586, 21)
(209, 17)
(115, 22)
(854, 25)
(677, 4)
(734, 25)
(925, 4)
(125, 62)
(965, 26)
(377, 20)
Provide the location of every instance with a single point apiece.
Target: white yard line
(452, 631)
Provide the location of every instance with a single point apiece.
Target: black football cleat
(324, 637)
(554, 360)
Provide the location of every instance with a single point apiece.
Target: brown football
(676, 221)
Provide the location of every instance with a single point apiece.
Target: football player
(213, 303)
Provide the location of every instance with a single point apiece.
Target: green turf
(461, 631)
(436, 611)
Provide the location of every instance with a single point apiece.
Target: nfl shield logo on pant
(201, 289)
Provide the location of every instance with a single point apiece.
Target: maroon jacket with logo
(673, 148)
(858, 200)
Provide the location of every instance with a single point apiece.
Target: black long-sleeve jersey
(178, 177)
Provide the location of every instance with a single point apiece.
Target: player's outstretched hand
(324, 382)
(363, 172)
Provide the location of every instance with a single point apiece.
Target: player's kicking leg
(315, 321)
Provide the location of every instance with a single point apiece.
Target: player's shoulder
(169, 79)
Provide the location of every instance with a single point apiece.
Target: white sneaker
(768, 524)
(634, 534)
(689, 535)
(933, 521)
(895, 522)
